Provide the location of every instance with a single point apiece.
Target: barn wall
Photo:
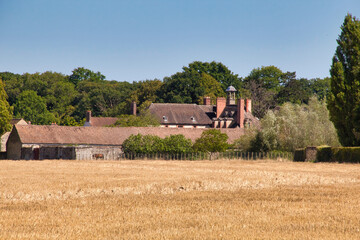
(98, 152)
(13, 147)
(59, 152)
(4, 139)
(27, 153)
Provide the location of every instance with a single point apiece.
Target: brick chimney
(240, 115)
(248, 105)
(88, 116)
(133, 108)
(220, 106)
(207, 101)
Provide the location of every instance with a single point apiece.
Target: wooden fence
(209, 156)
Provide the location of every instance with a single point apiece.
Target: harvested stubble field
(178, 200)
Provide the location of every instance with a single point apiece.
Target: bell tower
(231, 99)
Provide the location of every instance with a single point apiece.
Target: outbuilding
(63, 142)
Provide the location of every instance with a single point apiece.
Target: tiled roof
(102, 121)
(254, 121)
(53, 134)
(180, 114)
(18, 121)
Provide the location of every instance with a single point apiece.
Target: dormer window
(192, 119)
(165, 118)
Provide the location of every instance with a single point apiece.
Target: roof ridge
(175, 104)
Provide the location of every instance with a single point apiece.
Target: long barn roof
(181, 114)
(53, 134)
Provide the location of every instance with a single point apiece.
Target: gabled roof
(53, 134)
(102, 121)
(180, 114)
(20, 121)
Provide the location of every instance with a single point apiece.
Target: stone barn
(62, 142)
(5, 136)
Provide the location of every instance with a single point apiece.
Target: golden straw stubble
(178, 200)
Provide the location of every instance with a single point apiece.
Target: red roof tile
(180, 114)
(53, 134)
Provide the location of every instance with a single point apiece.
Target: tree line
(51, 97)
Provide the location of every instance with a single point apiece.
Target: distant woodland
(49, 97)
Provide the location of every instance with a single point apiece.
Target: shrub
(299, 155)
(346, 154)
(263, 142)
(212, 140)
(243, 143)
(176, 144)
(324, 154)
(149, 144)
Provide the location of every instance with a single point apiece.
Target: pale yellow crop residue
(178, 200)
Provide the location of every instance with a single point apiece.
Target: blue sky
(133, 40)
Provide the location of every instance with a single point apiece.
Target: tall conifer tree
(344, 98)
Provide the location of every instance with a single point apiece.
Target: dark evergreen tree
(344, 98)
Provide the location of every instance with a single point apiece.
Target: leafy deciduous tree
(32, 107)
(5, 111)
(176, 144)
(82, 74)
(217, 70)
(145, 119)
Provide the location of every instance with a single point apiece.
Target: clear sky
(133, 40)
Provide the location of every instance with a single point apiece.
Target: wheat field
(178, 200)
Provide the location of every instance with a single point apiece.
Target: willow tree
(344, 98)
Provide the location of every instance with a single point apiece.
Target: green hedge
(324, 154)
(329, 154)
(299, 155)
(346, 154)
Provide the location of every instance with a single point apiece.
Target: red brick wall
(207, 101)
(248, 105)
(220, 106)
(240, 116)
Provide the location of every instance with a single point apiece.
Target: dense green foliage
(176, 144)
(82, 74)
(293, 126)
(145, 119)
(332, 154)
(269, 87)
(5, 110)
(143, 144)
(212, 140)
(67, 98)
(149, 144)
(32, 107)
(346, 154)
(344, 100)
(324, 154)
(299, 155)
(218, 71)
(189, 87)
